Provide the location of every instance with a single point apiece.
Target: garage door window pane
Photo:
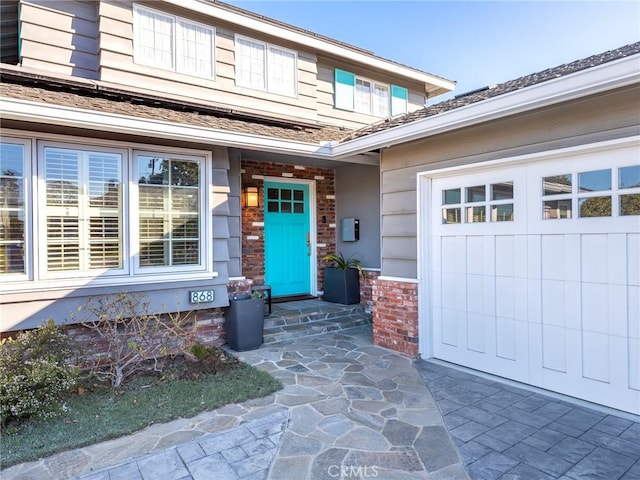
(595, 181)
(502, 213)
(450, 197)
(502, 191)
(476, 194)
(595, 207)
(476, 214)
(451, 215)
(630, 204)
(553, 209)
(556, 185)
(629, 177)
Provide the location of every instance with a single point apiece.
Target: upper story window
(262, 66)
(172, 43)
(361, 95)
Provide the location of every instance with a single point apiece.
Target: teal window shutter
(345, 83)
(399, 100)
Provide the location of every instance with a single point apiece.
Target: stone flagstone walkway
(348, 410)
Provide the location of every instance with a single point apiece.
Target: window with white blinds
(169, 210)
(250, 63)
(363, 96)
(82, 208)
(13, 222)
(357, 94)
(381, 102)
(262, 66)
(371, 98)
(282, 71)
(81, 213)
(173, 43)
(195, 49)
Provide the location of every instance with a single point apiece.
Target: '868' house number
(201, 296)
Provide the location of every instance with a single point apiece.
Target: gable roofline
(434, 85)
(616, 69)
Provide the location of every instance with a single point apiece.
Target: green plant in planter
(342, 280)
(342, 263)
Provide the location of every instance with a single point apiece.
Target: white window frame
(267, 50)
(37, 278)
(203, 219)
(27, 274)
(177, 65)
(487, 204)
(374, 104)
(43, 271)
(575, 195)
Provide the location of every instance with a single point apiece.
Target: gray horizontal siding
(598, 118)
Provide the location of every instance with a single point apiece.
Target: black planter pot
(342, 286)
(244, 323)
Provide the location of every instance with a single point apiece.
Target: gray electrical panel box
(350, 229)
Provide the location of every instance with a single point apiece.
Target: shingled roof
(93, 97)
(496, 90)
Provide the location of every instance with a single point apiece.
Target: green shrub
(34, 375)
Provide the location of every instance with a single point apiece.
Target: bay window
(101, 213)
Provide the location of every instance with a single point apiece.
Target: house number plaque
(201, 296)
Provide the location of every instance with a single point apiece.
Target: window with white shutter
(169, 211)
(81, 211)
(108, 215)
(173, 43)
(262, 66)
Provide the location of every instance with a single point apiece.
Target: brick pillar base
(395, 315)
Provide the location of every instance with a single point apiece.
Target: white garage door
(535, 273)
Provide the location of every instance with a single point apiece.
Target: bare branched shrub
(131, 336)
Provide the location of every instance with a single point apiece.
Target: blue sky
(476, 43)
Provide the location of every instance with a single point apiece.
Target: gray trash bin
(245, 322)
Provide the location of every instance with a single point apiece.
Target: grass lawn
(102, 413)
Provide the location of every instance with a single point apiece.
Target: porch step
(304, 318)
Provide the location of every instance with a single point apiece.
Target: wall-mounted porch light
(251, 196)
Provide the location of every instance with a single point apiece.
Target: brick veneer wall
(395, 315)
(366, 288)
(253, 217)
(209, 331)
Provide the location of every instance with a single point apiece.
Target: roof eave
(432, 82)
(36, 112)
(601, 78)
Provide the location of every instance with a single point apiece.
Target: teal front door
(287, 238)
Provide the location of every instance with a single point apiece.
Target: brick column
(395, 315)
(366, 288)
